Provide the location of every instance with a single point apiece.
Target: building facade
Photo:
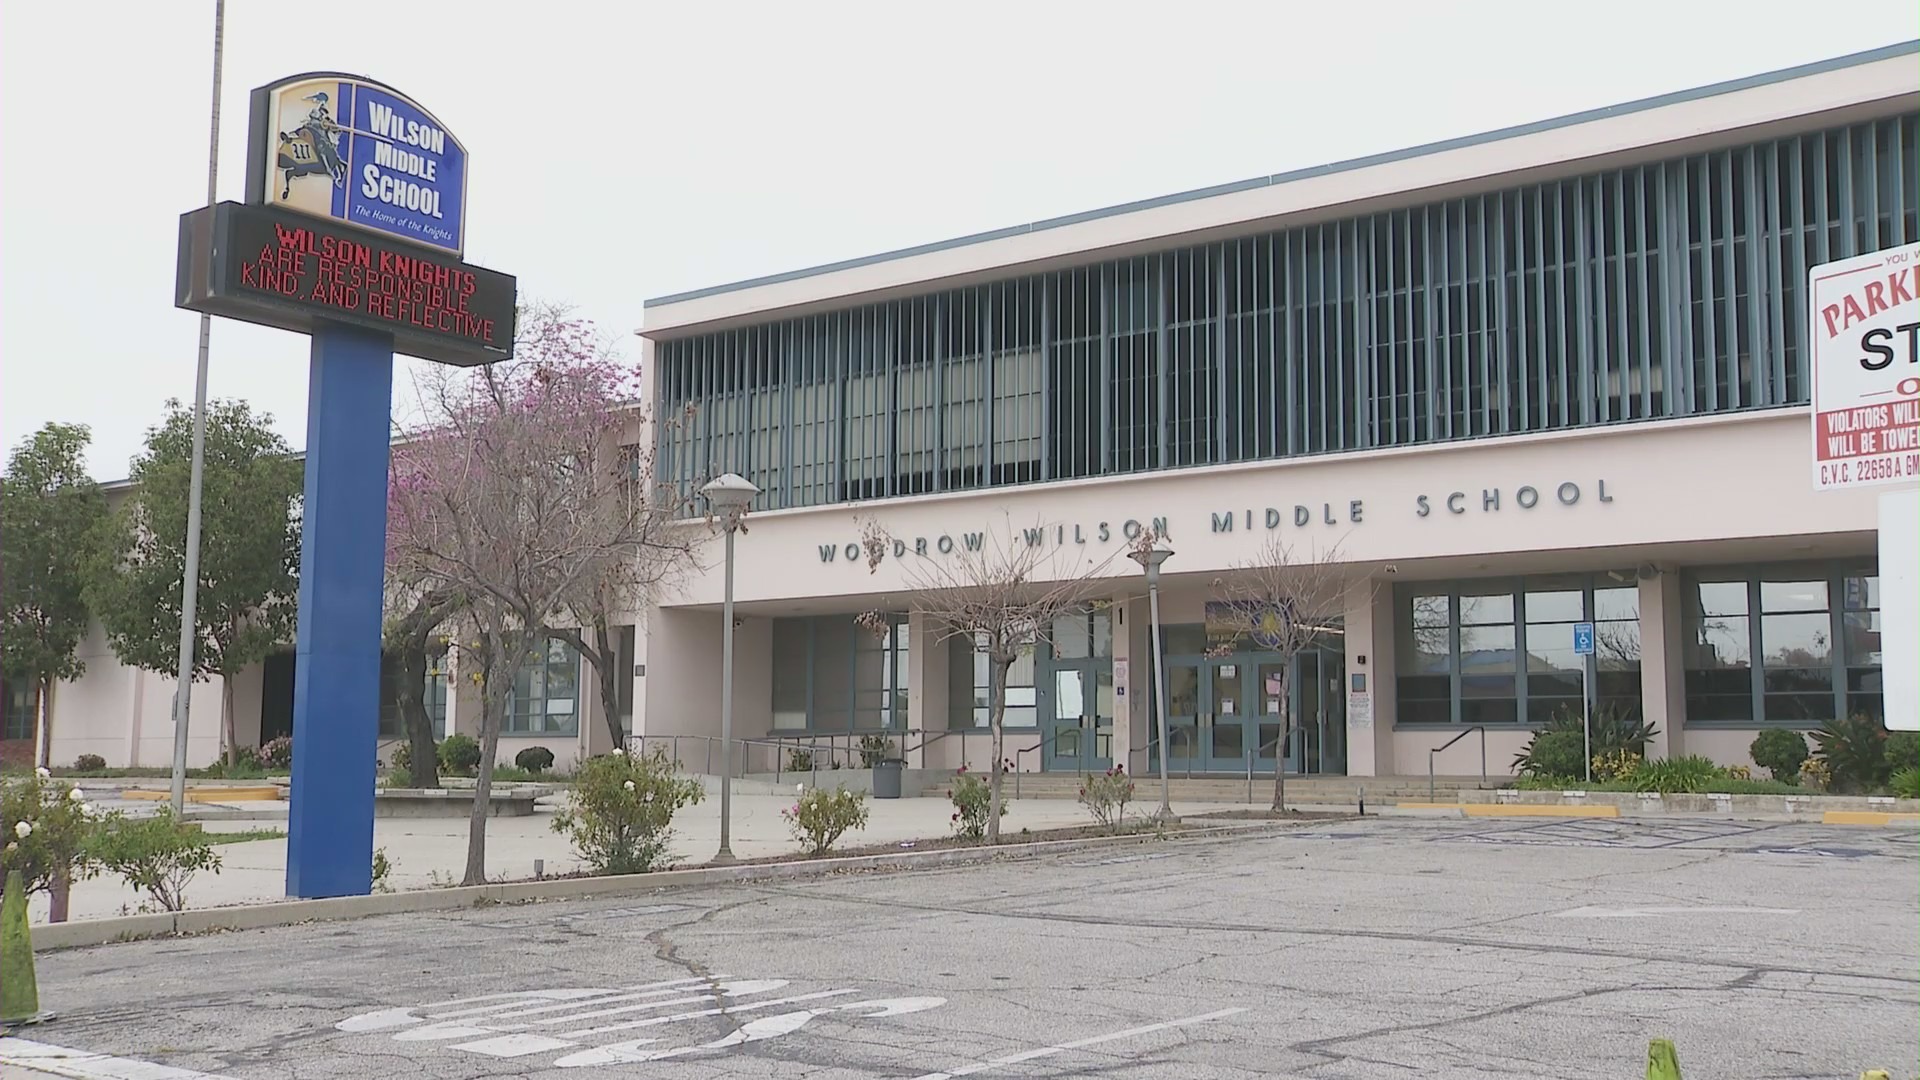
(1546, 376)
(1511, 383)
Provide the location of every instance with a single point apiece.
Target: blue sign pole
(336, 685)
(1583, 648)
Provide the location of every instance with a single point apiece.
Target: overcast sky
(621, 151)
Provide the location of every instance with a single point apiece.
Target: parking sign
(1583, 639)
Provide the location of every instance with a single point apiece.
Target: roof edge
(1818, 67)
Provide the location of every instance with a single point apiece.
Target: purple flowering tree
(510, 494)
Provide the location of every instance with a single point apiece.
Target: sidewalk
(429, 851)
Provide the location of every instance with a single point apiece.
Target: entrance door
(1227, 721)
(1080, 733)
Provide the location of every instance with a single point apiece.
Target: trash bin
(886, 778)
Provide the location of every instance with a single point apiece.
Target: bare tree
(412, 635)
(510, 496)
(660, 555)
(1286, 595)
(1001, 592)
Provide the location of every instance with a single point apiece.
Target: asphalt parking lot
(1376, 948)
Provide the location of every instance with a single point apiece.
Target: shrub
(402, 758)
(1855, 752)
(799, 760)
(382, 869)
(58, 827)
(399, 778)
(972, 804)
(1106, 797)
(1905, 783)
(1553, 753)
(277, 753)
(622, 808)
(1903, 750)
(1780, 752)
(460, 755)
(89, 763)
(534, 759)
(1560, 747)
(244, 766)
(1615, 765)
(1815, 774)
(1677, 775)
(1739, 772)
(820, 818)
(874, 749)
(157, 854)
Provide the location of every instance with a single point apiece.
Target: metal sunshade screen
(1665, 289)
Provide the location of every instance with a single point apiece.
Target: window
(19, 709)
(1501, 652)
(1425, 685)
(433, 695)
(1860, 640)
(1794, 645)
(972, 690)
(546, 692)
(831, 673)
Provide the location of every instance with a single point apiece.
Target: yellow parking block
(1867, 817)
(1514, 809)
(211, 795)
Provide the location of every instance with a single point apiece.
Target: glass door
(1225, 722)
(1079, 735)
(1185, 708)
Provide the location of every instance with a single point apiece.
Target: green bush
(819, 818)
(874, 749)
(59, 822)
(1553, 753)
(1690, 775)
(244, 766)
(460, 755)
(382, 870)
(399, 778)
(799, 760)
(1780, 752)
(1106, 797)
(534, 759)
(622, 811)
(1905, 783)
(89, 763)
(402, 758)
(156, 854)
(1616, 730)
(1854, 751)
(1903, 750)
(277, 753)
(972, 800)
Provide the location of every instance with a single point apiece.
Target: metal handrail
(1018, 754)
(1147, 748)
(1482, 729)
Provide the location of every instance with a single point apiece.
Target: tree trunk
(996, 718)
(59, 894)
(496, 679)
(607, 668)
(411, 656)
(1286, 729)
(43, 720)
(227, 735)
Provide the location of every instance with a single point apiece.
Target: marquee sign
(360, 152)
(265, 265)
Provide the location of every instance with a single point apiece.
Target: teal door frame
(1219, 713)
(1076, 705)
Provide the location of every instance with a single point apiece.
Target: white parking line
(1049, 1051)
(1656, 912)
(82, 1065)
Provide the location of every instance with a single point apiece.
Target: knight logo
(312, 149)
(360, 152)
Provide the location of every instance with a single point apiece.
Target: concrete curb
(88, 932)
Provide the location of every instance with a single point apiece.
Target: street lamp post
(728, 497)
(1151, 559)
